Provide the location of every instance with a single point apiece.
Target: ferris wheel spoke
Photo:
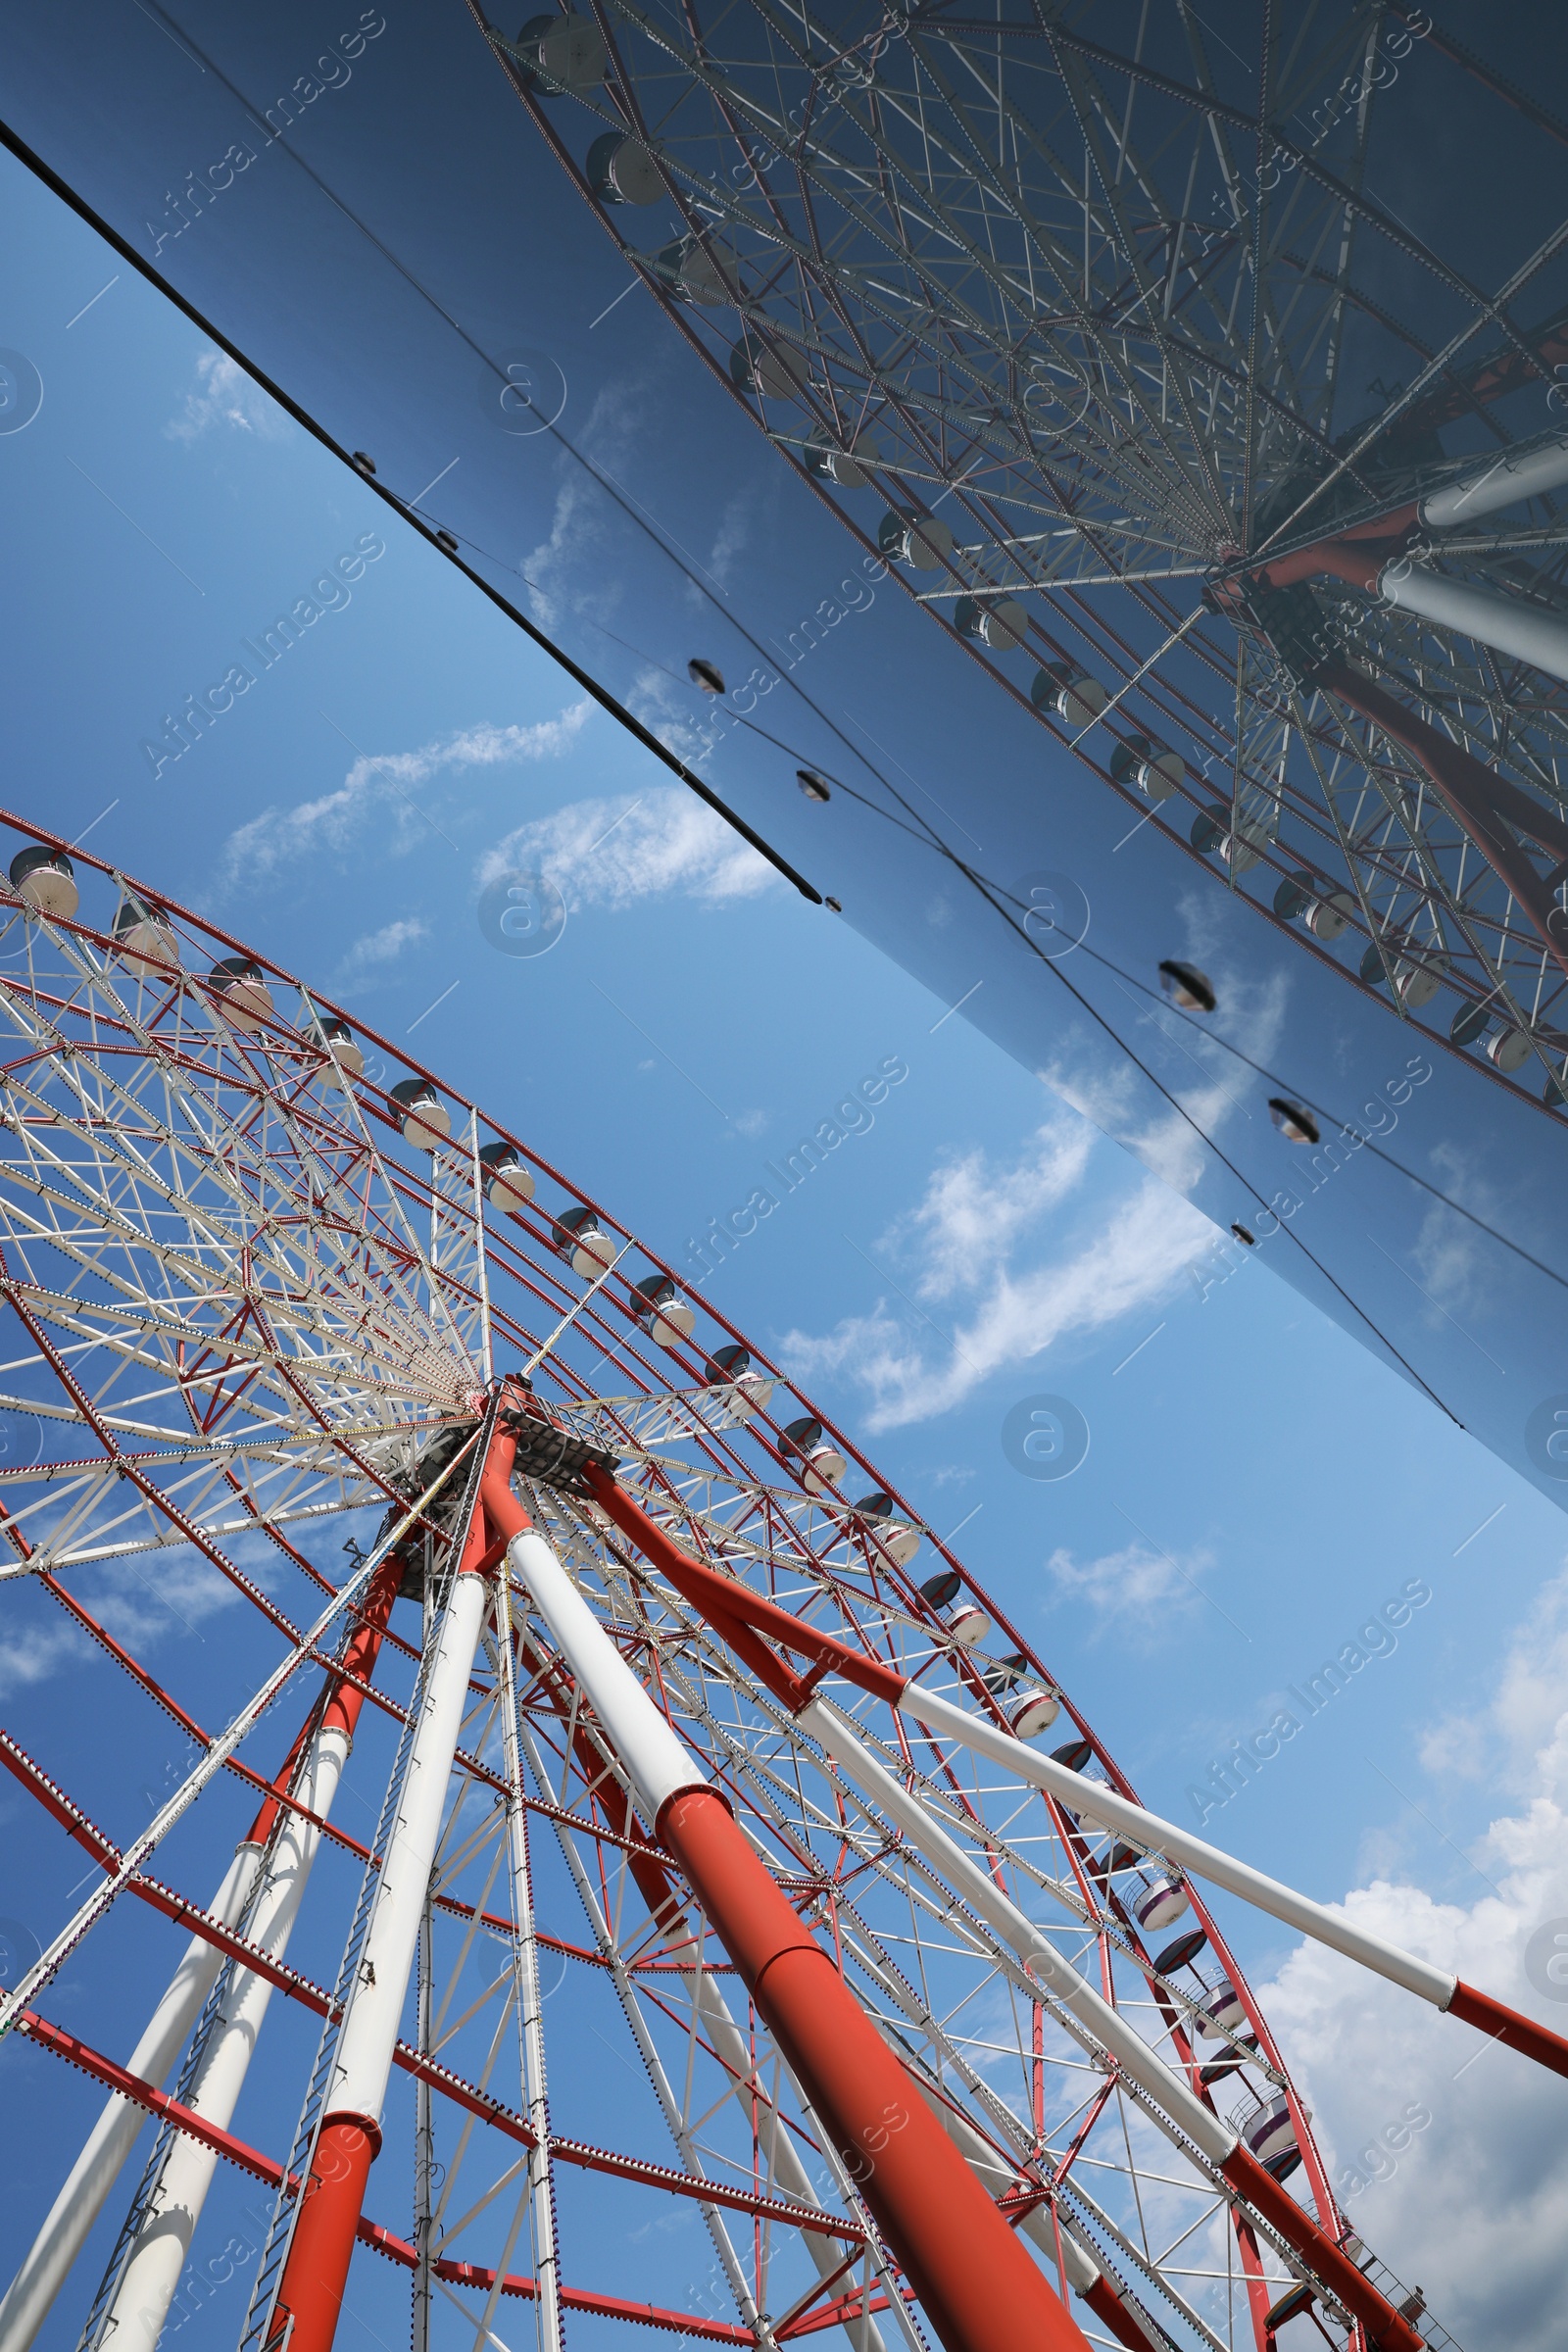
(907, 218)
(242, 1321)
(745, 1768)
(219, 1275)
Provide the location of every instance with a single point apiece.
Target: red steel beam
(310, 1997)
(80, 2054)
(979, 2287)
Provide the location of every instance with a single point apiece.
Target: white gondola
(1242, 849)
(820, 1465)
(145, 938)
(1003, 626)
(1295, 1123)
(1031, 1710)
(1160, 1905)
(420, 1113)
(508, 1183)
(243, 997)
(582, 1241)
(774, 370)
(699, 271)
(849, 469)
(1327, 917)
(1187, 987)
(1221, 2012)
(347, 1057)
(1071, 695)
(746, 1391)
(1415, 985)
(1271, 2134)
(894, 1534)
(963, 1621)
(1157, 773)
(922, 541)
(562, 53)
(47, 880)
(1509, 1050)
(621, 170)
(663, 1314)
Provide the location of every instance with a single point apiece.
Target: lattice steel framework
(1114, 306)
(255, 1294)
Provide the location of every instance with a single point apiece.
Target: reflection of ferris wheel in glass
(926, 2016)
(1097, 324)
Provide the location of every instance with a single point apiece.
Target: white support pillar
(1503, 479)
(1147, 1830)
(47, 2264)
(158, 2257)
(1137, 2061)
(1509, 624)
(531, 2001)
(370, 2030)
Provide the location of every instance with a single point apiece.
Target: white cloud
(226, 396)
(973, 1213)
(612, 852)
(570, 568)
(387, 782)
(1130, 1261)
(36, 1653)
(1453, 1264)
(1131, 1583)
(1208, 1084)
(143, 1602)
(1475, 2209)
(734, 536)
(382, 947)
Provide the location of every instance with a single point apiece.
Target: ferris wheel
(680, 1707)
(1105, 327)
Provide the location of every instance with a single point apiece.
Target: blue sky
(1255, 1485)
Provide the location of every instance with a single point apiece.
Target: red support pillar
(981, 2290)
(1473, 795)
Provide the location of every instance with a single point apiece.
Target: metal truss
(257, 1310)
(1088, 315)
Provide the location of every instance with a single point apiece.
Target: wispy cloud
(383, 782)
(612, 852)
(163, 1596)
(34, 1653)
(225, 398)
(1129, 1584)
(734, 536)
(378, 948)
(973, 1213)
(1492, 2172)
(1207, 1086)
(966, 1234)
(570, 569)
